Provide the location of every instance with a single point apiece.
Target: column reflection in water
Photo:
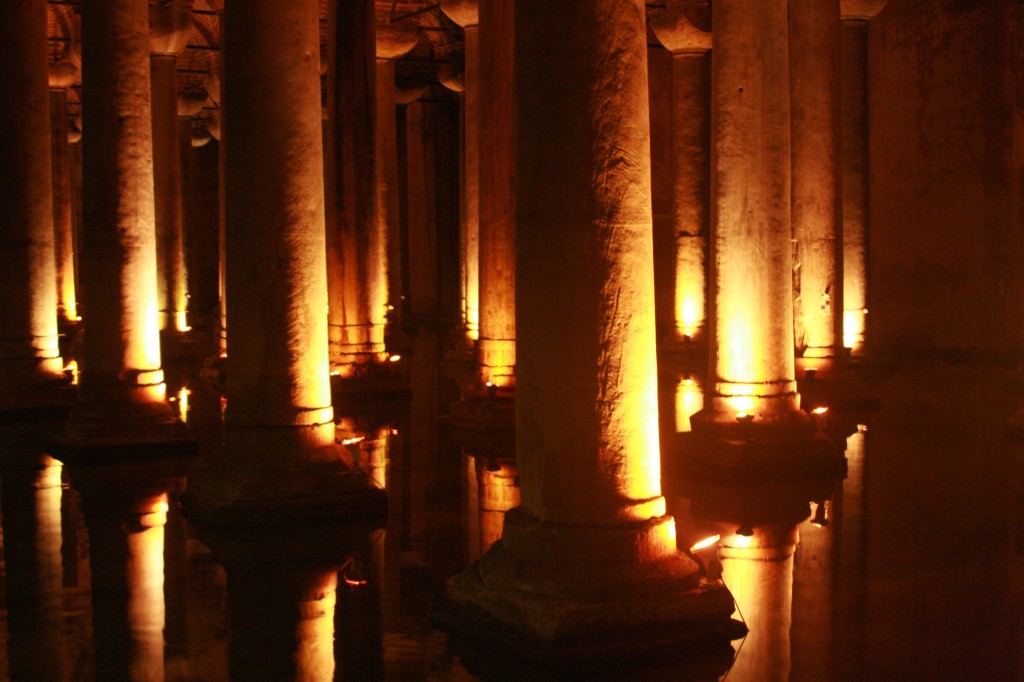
(813, 570)
(689, 400)
(125, 512)
(758, 569)
(31, 499)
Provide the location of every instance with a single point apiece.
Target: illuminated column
(31, 500)
(593, 522)
(466, 14)
(122, 385)
(854, 122)
(759, 570)
(497, 231)
(30, 362)
(683, 28)
(282, 619)
(498, 487)
(814, 78)
(169, 29)
(279, 447)
(356, 252)
(126, 519)
(63, 75)
(751, 288)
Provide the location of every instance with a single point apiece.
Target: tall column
(816, 200)
(466, 14)
(30, 362)
(593, 522)
(122, 383)
(63, 75)
(169, 29)
(854, 122)
(684, 29)
(751, 285)
(497, 343)
(392, 42)
(279, 442)
(356, 253)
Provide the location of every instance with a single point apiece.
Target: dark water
(913, 568)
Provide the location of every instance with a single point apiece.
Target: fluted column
(496, 346)
(683, 28)
(122, 383)
(816, 199)
(169, 29)
(30, 361)
(855, 167)
(592, 522)
(752, 363)
(466, 13)
(63, 75)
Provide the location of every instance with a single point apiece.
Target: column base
(279, 477)
(791, 445)
(372, 386)
(568, 592)
(817, 367)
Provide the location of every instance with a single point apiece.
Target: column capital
(684, 26)
(864, 10)
(191, 102)
(169, 24)
(395, 41)
(452, 75)
(465, 13)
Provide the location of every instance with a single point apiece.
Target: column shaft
(64, 247)
(751, 252)
(471, 183)
(276, 263)
(855, 181)
(385, 276)
(587, 428)
(497, 343)
(28, 289)
(814, 70)
(121, 357)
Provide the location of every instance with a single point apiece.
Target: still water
(911, 568)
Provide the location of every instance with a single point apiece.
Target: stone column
(752, 366)
(30, 363)
(386, 275)
(466, 14)
(497, 343)
(279, 445)
(684, 29)
(593, 523)
(816, 200)
(498, 487)
(356, 253)
(169, 31)
(122, 383)
(855, 168)
(63, 75)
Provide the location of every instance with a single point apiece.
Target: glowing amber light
(705, 543)
(354, 583)
(353, 440)
(688, 317)
(853, 328)
(181, 321)
(689, 401)
(183, 395)
(743, 404)
(738, 366)
(71, 369)
(819, 410)
(741, 541)
(394, 358)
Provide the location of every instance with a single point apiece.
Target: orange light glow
(394, 358)
(738, 360)
(353, 440)
(354, 583)
(181, 321)
(740, 541)
(71, 369)
(705, 543)
(819, 410)
(853, 328)
(743, 404)
(688, 316)
(689, 401)
(183, 395)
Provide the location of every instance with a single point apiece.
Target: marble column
(30, 363)
(356, 253)
(855, 167)
(752, 369)
(387, 276)
(684, 29)
(816, 198)
(593, 523)
(63, 75)
(169, 32)
(496, 346)
(279, 454)
(122, 391)
(466, 13)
